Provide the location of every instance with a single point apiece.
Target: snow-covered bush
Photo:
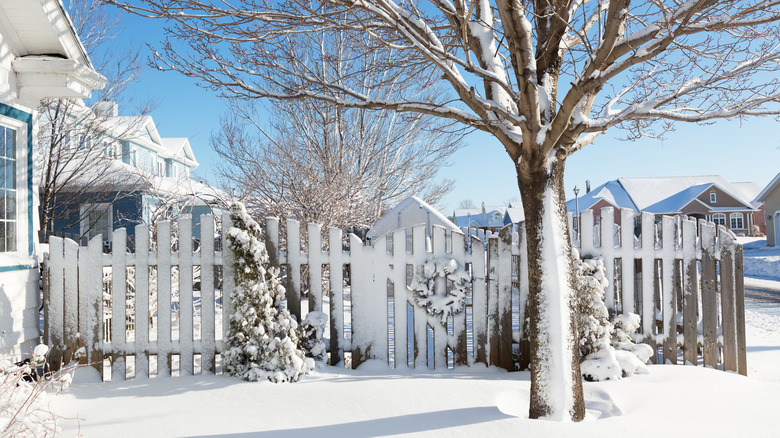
(607, 348)
(312, 331)
(263, 340)
(24, 411)
(595, 330)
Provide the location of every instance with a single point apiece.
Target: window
(713, 198)
(97, 219)
(8, 219)
(719, 219)
(737, 221)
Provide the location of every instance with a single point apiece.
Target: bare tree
(545, 78)
(341, 167)
(77, 142)
(466, 204)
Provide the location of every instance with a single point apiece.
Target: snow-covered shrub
(312, 330)
(607, 348)
(24, 411)
(263, 340)
(595, 330)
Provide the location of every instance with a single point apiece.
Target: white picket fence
(371, 312)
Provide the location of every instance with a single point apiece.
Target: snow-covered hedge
(263, 342)
(607, 349)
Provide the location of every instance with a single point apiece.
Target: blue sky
(739, 150)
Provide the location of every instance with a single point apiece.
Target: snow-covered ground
(762, 262)
(374, 401)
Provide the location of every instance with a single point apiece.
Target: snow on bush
(24, 411)
(607, 348)
(312, 330)
(263, 340)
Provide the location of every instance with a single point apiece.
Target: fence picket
(294, 261)
(400, 300)
(336, 271)
(228, 280)
(607, 248)
(164, 298)
(419, 257)
(626, 254)
(185, 344)
(316, 260)
(504, 314)
(647, 254)
(71, 300)
(459, 345)
(439, 246)
(55, 303)
(207, 298)
(91, 300)
(141, 301)
(494, 338)
(709, 308)
(479, 312)
(668, 297)
(740, 310)
(727, 299)
(691, 293)
(118, 303)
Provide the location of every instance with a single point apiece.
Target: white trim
(22, 253)
(733, 216)
(713, 198)
(777, 228)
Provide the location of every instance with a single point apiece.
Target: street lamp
(577, 206)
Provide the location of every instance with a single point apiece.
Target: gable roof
(408, 213)
(611, 192)
(48, 56)
(769, 188)
(473, 217)
(179, 147)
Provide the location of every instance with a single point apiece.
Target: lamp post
(577, 206)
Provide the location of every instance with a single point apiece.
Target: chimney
(106, 109)
(587, 186)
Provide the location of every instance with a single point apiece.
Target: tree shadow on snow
(403, 424)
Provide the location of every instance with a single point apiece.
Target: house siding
(772, 205)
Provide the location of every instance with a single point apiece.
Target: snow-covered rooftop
(408, 213)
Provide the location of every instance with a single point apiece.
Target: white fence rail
(686, 286)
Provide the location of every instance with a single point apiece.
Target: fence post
(492, 302)
(648, 282)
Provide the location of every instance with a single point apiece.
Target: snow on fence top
(670, 275)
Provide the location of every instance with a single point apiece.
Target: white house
(408, 213)
(40, 56)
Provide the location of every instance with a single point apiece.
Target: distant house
(488, 218)
(703, 197)
(406, 215)
(148, 174)
(42, 57)
(770, 196)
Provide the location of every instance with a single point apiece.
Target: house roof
(49, 59)
(514, 214)
(611, 192)
(769, 188)
(661, 194)
(408, 213)
(473, 217)
(143, 130)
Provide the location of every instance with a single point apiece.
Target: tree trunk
(556, 383)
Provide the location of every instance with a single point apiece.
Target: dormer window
(713, 198)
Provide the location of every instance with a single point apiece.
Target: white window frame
(713, 198)
(22, 254)
(84, 214)
(717, 216)
(740, 217)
